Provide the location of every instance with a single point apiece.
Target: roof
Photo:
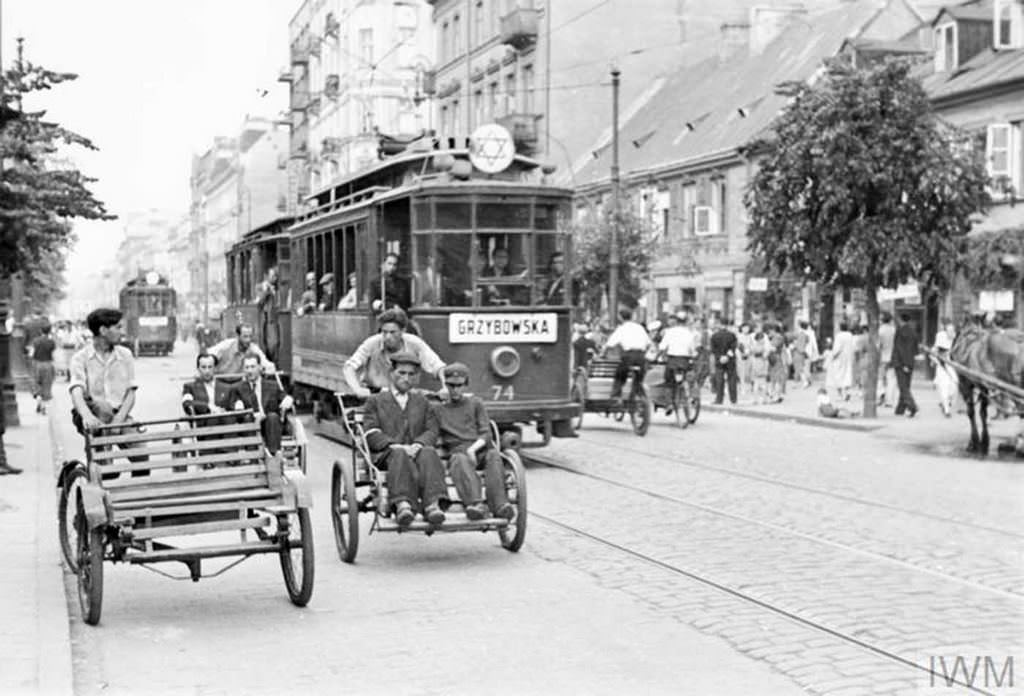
(717, 108)
(908, 44)
(988, 69)
(966, 13)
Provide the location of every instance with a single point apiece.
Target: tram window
(546, 216)
(551, 280)
(506, 273)
(421, 215)
(453, 216)
(503, 215)
(443, 275)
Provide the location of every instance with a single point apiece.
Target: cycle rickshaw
(592, 387)
(358, 486)
(679, 396)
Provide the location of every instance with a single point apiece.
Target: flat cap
(404, 357)
(328, 278)
(457, 370)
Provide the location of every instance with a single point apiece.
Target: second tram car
(149, 305)
(482, 270)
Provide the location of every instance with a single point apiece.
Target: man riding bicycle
(632, 339)
(679, 346)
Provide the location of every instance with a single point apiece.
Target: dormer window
(1008, 24)
(945, 48)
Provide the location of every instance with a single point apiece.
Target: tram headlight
(505, 361)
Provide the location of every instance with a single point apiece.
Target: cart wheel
(693, 406)
(640, 413)
(680, 405)
(513, 535)
(297, 555)
(90, 568)
(576, 396)
(67, 513)
(345, 510)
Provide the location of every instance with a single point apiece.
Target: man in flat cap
(326, 293)
(466, 434)
(401, 431)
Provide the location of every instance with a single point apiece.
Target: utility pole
(19, 371)
(613, 255)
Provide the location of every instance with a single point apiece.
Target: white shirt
(210, 392)
(629, 336)
(679, 342)
(402, 399)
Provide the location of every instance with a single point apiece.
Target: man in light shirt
(679, 346)
(370, 367)
(231, 352)
(632, 339)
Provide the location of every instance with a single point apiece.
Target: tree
(37, 198)
(592, 240)
(861, 185)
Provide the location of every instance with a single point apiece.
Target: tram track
(676, 459)
(748, 598)
(551, 463)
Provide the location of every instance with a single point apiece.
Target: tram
(259, 289)
(481, 257)
(149, 306)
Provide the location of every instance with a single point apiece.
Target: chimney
(733, 39)
(766, 23)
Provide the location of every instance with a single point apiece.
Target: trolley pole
(613, 254)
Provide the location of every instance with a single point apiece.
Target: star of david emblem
(491, 149)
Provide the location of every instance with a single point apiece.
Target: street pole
(613, 255)
(8, 401)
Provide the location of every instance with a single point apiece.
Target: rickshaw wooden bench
(592, 387)
(200, 478)
(359, 486)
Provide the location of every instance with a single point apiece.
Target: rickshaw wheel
(640, 412)
(680, 405)
(345, 510)
(693, 407)
(576, 396)
(300, 589)
(514, 534)
(90, 568)
(67, 513)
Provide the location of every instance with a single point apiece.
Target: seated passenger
(199, 397)
(264, 397)
(401, 430)
(307, 303)
(466, 434)
(632, 339)
(501, 294)
(326, 293)
(552, 290)
(351, 298)
(231, 351)
(372, 359)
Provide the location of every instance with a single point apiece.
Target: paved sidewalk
(35, 648)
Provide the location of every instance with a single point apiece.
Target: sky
(158, 79)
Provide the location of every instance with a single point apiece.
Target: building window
(366, 46)
(445, 42)
(1009, 17)
(492, 101)
(721, 203)
(510, 93)
(945, 48)
(479, 23)
(478, 107)
(444, 121)
(688, 198)
(456, 114)
(406, 47)
(528, 82)
(456, 36)
(1002, 157)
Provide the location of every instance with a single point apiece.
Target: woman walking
(42, 368)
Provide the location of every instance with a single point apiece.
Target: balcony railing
(519, 27)
(285, 75)
(523, 128)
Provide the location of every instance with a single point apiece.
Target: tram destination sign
(539, 327)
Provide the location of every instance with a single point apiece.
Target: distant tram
(149, 305)
(482, 270)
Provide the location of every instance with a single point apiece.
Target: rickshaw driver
(466, 435)
(374, 356)
(401, 430)
(679, 345)
(632, 339)
(231, 352)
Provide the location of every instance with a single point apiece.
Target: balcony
(332, 85)
(519, 28)
(285, 75)
(523, 128)
(300, 52)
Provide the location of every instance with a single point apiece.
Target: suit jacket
(387, 424)
(200, 399)
(904, 346)
(271, 395)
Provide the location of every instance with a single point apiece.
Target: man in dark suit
(388, 289)
(264, 397)
(904, 351)
(198, 397)
(401, 431)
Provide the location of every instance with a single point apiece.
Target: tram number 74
(503, 391)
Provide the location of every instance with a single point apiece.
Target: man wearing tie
(199, 397)
(264, 397)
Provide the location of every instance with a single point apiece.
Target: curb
(818, 422)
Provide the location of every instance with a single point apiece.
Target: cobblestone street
(739, 556)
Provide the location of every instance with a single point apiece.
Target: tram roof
(275, 229)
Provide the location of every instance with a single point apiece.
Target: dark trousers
(725, 374)
(630, 359)
(414, 480)
(467, 482)
(677, 365)
(906, 401)
(270, 428)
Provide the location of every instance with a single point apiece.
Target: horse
(999, 354)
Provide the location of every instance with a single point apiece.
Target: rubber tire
(513, 536)
(346, 523)
(69, 546)
(90, 570)
(640, 413)
(680, 407)
(576, 396)
(300, 593)
(693, 408)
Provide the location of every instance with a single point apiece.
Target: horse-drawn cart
(146, 487)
